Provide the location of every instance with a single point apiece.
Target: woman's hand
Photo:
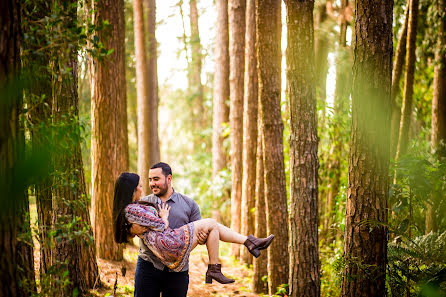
(163, 211)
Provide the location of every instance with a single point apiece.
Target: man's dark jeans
(150, 282)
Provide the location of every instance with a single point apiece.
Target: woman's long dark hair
(125, 186)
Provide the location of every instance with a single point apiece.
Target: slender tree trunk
(260, 264)
(365, 246)
(249, 128)
(221, 87)
(398, 63)
(236, 21)
(109, 145)
(438, 136)
(72, 252)
(220, 109)
(16, 259)
(152, 76)
(195, 68)
(144, 97)
(304, 255)
(268, 28)
(406, 108)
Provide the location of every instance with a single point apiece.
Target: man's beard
(162, 190)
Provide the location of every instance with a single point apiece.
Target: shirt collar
(173, 197)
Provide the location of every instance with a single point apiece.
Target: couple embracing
(169, 225)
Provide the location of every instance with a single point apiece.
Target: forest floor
(111, 273)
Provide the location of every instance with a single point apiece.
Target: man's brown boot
(255, 244)
(214, 272)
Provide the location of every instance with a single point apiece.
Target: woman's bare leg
(217, 232)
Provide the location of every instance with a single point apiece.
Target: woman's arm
(145, 216)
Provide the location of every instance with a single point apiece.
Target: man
(152, 277)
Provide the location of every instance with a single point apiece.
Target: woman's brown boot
(255, 244)
(214, 272)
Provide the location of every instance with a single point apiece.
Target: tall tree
(146, 156)
(249, 128)
(220, 111)
(304, 255)
(152, 76)
(268, 28)
(74, 249)
(109, 141)
(406, 108)
(16, 258)
(397, 70)
(365, 246)
(195, 67)
(260, 264)
(438, 136)
(236, 21)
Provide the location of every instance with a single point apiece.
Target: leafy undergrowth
(111, 274)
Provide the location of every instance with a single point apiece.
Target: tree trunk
(236, 16)
(152, 76)
(438, 136)
(304, 255)
(16, 258)
(398, 62)
(221, 87)
(109, 145)
(365, 246)
(73, 252)
(249, 129)
(406, 109)
(195, 68)
(146, 157)
(260, 264)
(269, 56)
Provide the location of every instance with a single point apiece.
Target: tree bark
(16, 258)
(249, 129)
(73, 253)
(236, 21)
(152, 76)
(438, 134)
(301, 85)
(109, 144)
(398, 63)
(406, 108)
(260, 264)
(365, 246)
(146, 157)
(268, 28)
(221, 87)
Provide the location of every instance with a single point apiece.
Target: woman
(173, 246)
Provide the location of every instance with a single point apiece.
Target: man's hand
(202, 236)
(137, 230)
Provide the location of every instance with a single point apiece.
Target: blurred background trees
(262, 122)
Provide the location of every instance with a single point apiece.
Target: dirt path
(197, 269)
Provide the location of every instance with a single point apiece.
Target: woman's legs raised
(216, 232)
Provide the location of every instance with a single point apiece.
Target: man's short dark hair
(165, 168)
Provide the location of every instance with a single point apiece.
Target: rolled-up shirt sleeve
(145, 216)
